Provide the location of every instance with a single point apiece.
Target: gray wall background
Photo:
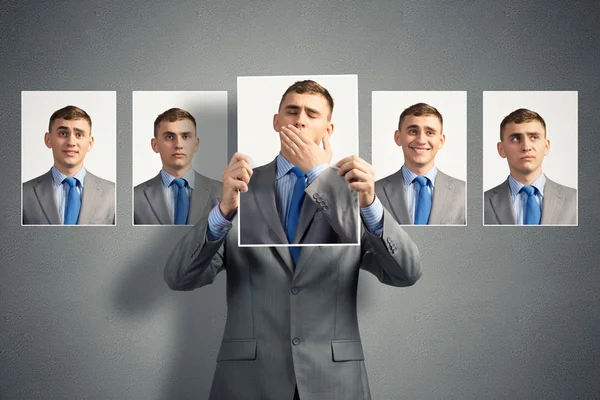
(500, 313)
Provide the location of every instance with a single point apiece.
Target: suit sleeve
(330, 194)
(195, 261)
(393, 258)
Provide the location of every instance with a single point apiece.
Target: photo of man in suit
(68, 194)
(292, 328)
(527, 196)
(178, 194)
(419, 193)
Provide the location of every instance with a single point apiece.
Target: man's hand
(235, 179)
(298, 149)
(360, 176)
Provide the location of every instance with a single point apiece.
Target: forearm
(195, 261)
(393, 258)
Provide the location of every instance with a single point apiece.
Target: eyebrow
(67, 128)
(308, 109)
(427, 128)
(526, 133)
(173, 133)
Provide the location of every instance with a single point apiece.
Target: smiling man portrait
(68, 194)
(419, 193)
(528, 196)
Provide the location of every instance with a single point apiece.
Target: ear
(501, 150)
(547, 147)
(329, 130)
(442, 140)
(397, 138)
(197, 144)
(276, 126)
(154, 144)
(91, 143)
(47, 140)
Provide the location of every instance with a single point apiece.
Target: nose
(301, 120)
(422, 137)
(71, 140)
(178, 142)
(527, 145)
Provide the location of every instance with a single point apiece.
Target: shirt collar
(515, 186)
(167, 179)
(58, 177)
(410, 176)
(283, 166)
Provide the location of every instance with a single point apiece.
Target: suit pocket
(347, 350)
(237, 349)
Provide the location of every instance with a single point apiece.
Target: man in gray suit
(68, 194)
(178, 194)
(527, 196)
(292, 329)
(419, 193)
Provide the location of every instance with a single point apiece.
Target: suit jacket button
(295, 290)
(295, 341)
(316, 196)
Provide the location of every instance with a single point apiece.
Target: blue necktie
(291, 222)
(533, 213)
(73, 202)
(423, 202)
(183, 202)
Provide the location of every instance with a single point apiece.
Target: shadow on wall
(198, 316)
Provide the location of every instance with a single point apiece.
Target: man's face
(524, 146)
(70, 141)
(309, 112)
(420, 138)
(176, 142)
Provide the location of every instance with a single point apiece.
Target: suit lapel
(553, 199)
(307, 213)
(305, 254)
(263, 190)
(394, 191)
(155, 196)
(89, 199)
(502, 206)
(441, 194)
(199, 198)
(44, 192)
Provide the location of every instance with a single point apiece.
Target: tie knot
(72, 182)
(179, 182)
(421, 180)
(530, 190)
(299, 173)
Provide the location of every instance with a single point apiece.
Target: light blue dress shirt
(519, 200)
(218, 226)
(61, 189)
(171, 191)
(412, 189)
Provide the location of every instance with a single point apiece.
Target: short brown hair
(309, 86)
(518, 117)
(420, 109)
(172, 115)
(69, 113)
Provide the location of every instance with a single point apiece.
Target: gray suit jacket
(97, 201)
(287, 325)
(448, 203)
(558, 208)
(332, 217)
(150, 205)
